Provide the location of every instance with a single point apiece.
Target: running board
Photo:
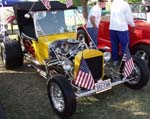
(41, 72)
(33, 64)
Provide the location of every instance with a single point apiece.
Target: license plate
(102, 86)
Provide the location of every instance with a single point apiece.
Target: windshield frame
(61, 26)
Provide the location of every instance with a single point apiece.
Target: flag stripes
(46, 3)
(84, 77)
(69, 3)
(129, 64)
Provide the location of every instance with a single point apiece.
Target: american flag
(128, 63)
(69, 3)
(84, 77)
(46, 3)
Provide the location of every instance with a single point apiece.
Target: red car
(139, 35)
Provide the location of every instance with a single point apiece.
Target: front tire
(61, 96)
(140, 74)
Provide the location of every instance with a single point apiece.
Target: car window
(54, 22)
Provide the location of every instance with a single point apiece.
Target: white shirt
(96, 12)
(121, 16)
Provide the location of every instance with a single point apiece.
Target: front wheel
(142, 51)
(61, 96)
(82, 35)
(140, 74)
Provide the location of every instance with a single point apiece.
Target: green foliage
(76, 2)
(134, 1)
(63, 1)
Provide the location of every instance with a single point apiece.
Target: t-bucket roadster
(73, 69)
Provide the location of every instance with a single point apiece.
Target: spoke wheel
(143, 55)
(61, 96)
(57, 97)
(140, 75)
(137, 76)
(142, 51)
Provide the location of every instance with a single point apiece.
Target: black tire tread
(14, 56)
(144, 74)
(69, 97)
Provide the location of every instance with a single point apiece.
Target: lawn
(23, 94)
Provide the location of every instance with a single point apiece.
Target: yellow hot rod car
(73, 69)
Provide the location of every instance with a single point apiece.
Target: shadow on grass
(118, 103)
(24, 96)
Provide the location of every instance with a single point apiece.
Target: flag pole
(121, 67)
(127, 64)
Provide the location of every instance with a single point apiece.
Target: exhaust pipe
(33, 64)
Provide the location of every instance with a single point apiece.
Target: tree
(134, 1)
(85, 12)
(84, 5)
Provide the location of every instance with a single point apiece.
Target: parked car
(47, 41)
(139, 35)
(140, 11)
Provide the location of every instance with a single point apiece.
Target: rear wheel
(61, 96)
(11, 54)
(140, 74)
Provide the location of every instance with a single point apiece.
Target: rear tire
(11, 54)
(61, 96)
(140, 75)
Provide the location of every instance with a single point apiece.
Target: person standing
(93, 21)
(120, 18)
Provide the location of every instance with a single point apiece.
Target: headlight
(107, 56)
(67, 65)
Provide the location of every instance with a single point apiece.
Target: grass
(23, 94)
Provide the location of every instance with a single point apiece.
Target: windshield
(54, 22)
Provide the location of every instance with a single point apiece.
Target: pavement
(2, 112)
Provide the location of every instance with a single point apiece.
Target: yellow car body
(41, 46)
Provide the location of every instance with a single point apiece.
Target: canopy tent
(7, 3)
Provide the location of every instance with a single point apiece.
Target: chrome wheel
(136, 75)
(57, 97)
(3, 55)
(143, 55)
(140, 75)
(61, 96)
